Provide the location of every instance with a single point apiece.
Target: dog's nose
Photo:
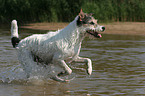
(103, 28)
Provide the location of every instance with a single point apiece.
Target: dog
(57, 47)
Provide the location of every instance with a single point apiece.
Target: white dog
(57, 47)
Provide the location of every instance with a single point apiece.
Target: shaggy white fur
(14, 29)
(55, 47)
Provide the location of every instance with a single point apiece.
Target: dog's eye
(92, 23)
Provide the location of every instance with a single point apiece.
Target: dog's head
(89, 24)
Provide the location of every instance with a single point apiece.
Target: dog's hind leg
(56, 78)
(27, 61)
(63, 65)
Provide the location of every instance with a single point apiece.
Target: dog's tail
(14, 34)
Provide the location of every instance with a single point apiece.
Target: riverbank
(127, 28)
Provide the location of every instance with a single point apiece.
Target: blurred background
(26, 11)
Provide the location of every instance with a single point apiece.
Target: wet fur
(54, 47)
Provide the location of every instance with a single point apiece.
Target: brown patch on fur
(82, 15)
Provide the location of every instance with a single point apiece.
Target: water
(118, 69)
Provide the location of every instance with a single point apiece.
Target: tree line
(66, 10)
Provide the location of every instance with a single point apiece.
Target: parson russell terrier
(57, 47)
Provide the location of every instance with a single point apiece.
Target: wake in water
(38, 74)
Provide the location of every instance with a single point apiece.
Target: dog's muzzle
(95, 32)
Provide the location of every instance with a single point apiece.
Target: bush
(66, 10)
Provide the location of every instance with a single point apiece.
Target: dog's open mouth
(94, 33)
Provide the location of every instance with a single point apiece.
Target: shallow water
(118, 69)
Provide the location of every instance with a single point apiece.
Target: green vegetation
(65, 10)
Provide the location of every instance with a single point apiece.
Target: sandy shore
(128, 28)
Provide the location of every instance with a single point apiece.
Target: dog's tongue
(100, 35)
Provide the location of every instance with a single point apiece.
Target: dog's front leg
(63, 65)
(87, 61)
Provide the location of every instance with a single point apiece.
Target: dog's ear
(81, 15)
(90, 14)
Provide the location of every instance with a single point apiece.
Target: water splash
(9, 74)
(39, 74)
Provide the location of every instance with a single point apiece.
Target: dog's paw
(89, 71)
(62, 74)
(60, 80)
